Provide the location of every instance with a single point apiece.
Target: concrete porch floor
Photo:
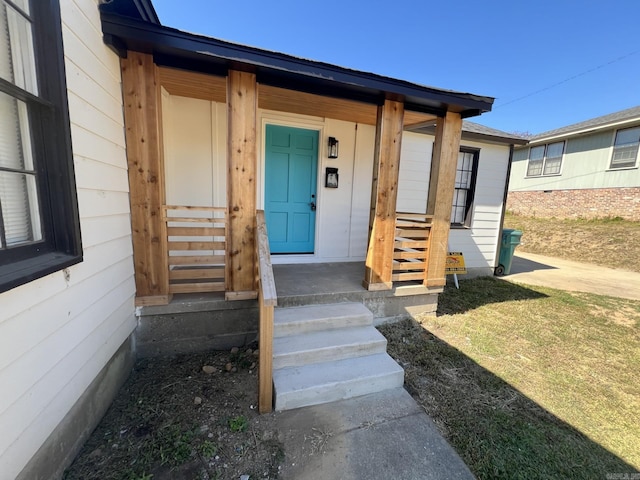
(318, 278)
(323, 283)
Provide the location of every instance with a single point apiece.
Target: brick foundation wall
(587, 203)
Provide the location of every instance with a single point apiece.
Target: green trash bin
(510, 240)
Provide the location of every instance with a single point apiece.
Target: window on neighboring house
(39, 227)
(545, 159)
(625, 148)
(465, 186)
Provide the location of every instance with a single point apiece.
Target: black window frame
(628, 165)
(471, 191)
(49, 123)
(545, 157)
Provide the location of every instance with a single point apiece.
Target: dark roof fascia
(148, 11)
(138, 9)
(127, 33)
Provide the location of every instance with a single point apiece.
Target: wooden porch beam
(146, 177)
(379, 263)
(441, 188)
(242, 102)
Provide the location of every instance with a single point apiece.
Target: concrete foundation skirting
(196, 326)
(200, 324)
(64, 443)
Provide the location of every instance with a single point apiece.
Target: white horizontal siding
(84, 113)
(42, 407)
(98, 230)
(92, 175)
(97, 203)
(89, 145)
(478, 242)
(56, 334)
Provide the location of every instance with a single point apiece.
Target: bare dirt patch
(625, 316)
(185, 417)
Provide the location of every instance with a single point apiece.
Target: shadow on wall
(455, 301)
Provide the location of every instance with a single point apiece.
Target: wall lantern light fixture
(333, 147)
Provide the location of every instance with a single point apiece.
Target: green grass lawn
(611, 242)
(528, 382)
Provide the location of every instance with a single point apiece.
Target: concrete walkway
(573, 276)
(380, 436)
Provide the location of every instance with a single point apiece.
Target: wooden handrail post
(267, 300)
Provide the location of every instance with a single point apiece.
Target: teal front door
(291, 169)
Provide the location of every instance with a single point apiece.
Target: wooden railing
(267, 300)
(411, 247)
(197, 243)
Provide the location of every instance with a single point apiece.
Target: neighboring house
(87, 194)
(589, 169)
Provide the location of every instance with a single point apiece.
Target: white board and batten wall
(58, 332)
(195, 138)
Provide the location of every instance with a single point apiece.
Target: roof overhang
(139, 9)
(178, 49)
(490, 136)
(542, 139)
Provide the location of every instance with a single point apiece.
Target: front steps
(324, 353)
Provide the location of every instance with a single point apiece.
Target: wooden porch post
(441, 188)
(146, 178)
(382, 222)
(242, 101)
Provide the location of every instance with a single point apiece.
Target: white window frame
(545, 160)
(617, 148)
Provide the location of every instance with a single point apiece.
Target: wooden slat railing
(411, 248)
(267, 300)
(196, 243)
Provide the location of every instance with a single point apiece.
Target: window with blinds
(466, 173)
(625, 148)
(545, 159)
(39, 227)
(19, 210)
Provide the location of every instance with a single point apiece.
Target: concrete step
(313, 318)
(336, 380)
(336, 344)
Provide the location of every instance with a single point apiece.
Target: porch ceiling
(214, 88)
(175, 48)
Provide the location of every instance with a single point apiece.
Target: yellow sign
(455, 263)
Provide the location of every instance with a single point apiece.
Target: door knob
(313, 206)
